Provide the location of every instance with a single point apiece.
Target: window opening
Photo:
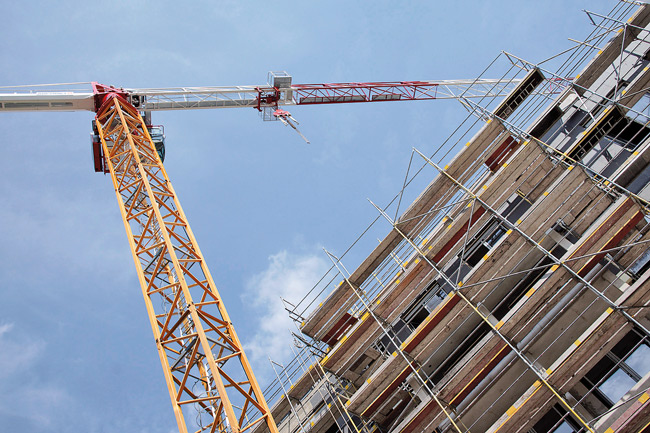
(620, 369)
(457, 355)
(641, 265)
(566, 231)
(522, 287)
(483, 241)
(516, 206)
(556, 420)
(396, 334)
(423, 305)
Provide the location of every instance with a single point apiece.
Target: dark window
(629, 132)
(515, 207)
(557, 420)
(525, 284)
(549, 119)
(485, 239)
(566, 231)
(395, 335)
(457, 355)
(423, 305)
(642, 264)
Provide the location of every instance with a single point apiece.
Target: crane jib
(280, 92)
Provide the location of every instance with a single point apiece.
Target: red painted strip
(502, 153)
(336, 354)
(613, 242)
(634, 418)
(439, 315)
(502, 350)
(387, 392)
(420, 417)
(606, 225)
(459, 234)
(343, 324)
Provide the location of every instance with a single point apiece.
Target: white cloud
(20, 391)
(617, 385)
(289, 276)
(50, 401)
(5, 328)
(16, 355)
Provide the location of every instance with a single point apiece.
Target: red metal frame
(267, 98)
(103, 93)
(338, 93)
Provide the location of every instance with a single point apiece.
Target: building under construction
(512, 294)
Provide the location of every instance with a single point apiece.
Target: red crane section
(336, 93)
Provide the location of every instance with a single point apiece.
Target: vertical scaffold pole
(203, 360)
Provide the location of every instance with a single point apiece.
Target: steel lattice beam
(203, 361)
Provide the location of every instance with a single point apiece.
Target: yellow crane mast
(195, 338)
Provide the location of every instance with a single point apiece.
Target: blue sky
(76, 351)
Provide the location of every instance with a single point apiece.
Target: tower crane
(194, 336)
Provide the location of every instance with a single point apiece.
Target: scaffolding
(512, 293)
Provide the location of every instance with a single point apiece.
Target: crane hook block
(287, 119)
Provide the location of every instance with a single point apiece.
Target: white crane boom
(69, 97)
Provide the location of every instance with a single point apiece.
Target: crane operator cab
(157, 133)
